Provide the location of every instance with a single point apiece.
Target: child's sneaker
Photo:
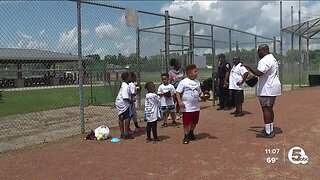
(192, 137)
(140, 129)
(129, 136)
(185, 141)
(130, 131)
(175, 124)
(164, 125)
(148, 140)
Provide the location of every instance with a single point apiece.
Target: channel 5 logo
(297, 155)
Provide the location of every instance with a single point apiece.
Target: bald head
(263, 50)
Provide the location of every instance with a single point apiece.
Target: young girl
(166, 92)
(151, 111)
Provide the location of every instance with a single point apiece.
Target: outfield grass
(20, 102)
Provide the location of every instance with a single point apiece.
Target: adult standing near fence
(176, 74)
(269, 87)
(238, 76)
(223, 83)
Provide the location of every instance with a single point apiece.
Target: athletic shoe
(157, 139)
(263, 134)
(234, 112)
(238, 114)
(130, 131)
(148, 140)
(164, 125)
(226, 108)
(129, 136)
(140, 129)
(192, 137)
(219, 108)
(186, 141)
(175, 124)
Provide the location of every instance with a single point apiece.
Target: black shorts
(125, 115)
(170, 109)
(237, 95)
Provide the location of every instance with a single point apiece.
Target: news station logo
(297, 155)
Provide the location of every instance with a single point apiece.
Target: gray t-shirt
(175, 76)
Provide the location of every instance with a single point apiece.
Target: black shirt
(223, 69)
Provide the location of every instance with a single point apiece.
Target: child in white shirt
(188, 93)
(166, 92)
(152, 111)
(133, 93)
(123, 102)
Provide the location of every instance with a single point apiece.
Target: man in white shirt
(238, 76)
(269, 87)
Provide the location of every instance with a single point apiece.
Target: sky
(52, 25)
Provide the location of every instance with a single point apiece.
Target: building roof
(308, 29)
(12, 55)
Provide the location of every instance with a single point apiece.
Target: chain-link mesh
(41, 68)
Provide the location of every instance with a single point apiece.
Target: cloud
(257, 17)
(69, 40)
(42, 32)
(24, 36)
(107, 31)
(37, 45)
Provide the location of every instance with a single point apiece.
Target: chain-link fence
(60, 71)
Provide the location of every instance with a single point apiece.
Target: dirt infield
(227, 149)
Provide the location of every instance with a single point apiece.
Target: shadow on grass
(276, 130)
(205, 135)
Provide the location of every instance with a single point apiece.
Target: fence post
(255, 60)
(213, 50)
(81, 70)
(191, 39)
(281, 50)
(138, 63)
(230, 46)
(274, 45)
(167, 39)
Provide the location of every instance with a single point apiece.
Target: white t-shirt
(165, 101)
(132, 88)
(190, 91)
(152, 107)
(269, 83)
(236, 75)
(121, 104)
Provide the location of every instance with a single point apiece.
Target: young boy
(188, 93)
(123, 102)
(152, 112)
(166, 92)
(133, 93)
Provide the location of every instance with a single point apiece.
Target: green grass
(20, 102)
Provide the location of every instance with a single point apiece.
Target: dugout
(44, 70)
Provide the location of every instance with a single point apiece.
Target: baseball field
(227, 148)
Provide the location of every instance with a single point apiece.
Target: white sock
(271, 126)
(268, 128)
